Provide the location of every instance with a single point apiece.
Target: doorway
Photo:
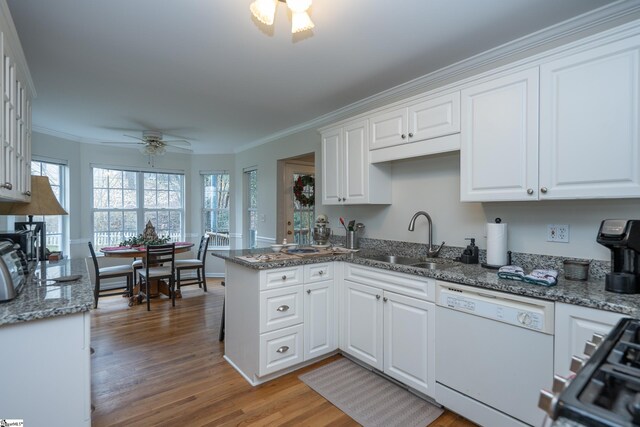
(296, 214)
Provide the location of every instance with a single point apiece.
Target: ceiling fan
(152, 144)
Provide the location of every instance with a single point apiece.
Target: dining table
(156, 287)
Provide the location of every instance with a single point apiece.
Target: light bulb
(264, 10)
(300, 21)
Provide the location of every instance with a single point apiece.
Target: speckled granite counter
(589, 294)
(563, 422)
(39, 301)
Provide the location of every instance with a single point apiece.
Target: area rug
(368, 398)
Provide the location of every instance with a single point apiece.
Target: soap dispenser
(470, 254)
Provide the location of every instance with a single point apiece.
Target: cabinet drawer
(289, 276)
(281, 349)
(318, 272)
(406, 284)
(280, 308)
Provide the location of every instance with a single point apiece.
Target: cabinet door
(356, 164)
(388, 128)
(409, 338)
(434, 117)
(575, 326)
(319, 319)
(8, 172)
(363, 323)
(499, 147)
(589, 107)
(332, 167)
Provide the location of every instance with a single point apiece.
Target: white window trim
(203, 210)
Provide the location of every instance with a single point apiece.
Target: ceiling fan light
(298, 6)
(300, 21)
(264, 10)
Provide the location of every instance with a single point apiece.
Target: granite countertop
(584, 293)
(50, 299)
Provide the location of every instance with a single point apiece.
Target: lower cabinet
(575, 325)
(319, 319)
(391, 332)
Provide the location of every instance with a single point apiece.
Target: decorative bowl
(276, 248)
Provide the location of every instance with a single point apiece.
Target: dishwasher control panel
(536, 315)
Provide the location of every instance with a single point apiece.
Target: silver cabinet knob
(543, 190)
(530, 191)
(344, 199)
(320, 273)
(283, 307)
(7, 185)
(283, 349)
(308, 291)
(410, 135)
(377, 296)
(403, 136)
(385, 299)
(339, 199)
(27, 193)
(284, 277)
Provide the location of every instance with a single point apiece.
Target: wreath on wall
(298, 190)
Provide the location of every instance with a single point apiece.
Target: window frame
(140, 208)
(249, 209)
(63, 174)
(206, 210)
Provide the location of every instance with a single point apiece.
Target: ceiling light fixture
(265, 10)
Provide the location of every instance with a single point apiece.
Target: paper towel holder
(496, 267)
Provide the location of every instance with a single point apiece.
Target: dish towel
(542, 277)
(511, 272)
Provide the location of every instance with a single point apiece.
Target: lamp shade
(43, 201)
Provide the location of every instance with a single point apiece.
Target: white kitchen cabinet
(279, 318)
(589, 123)
(392, 332)
(319, 319)
(15, 116)
(46, 371)
(348, 177)
(416, 121)
(409, 341)
(575, 325)
(499, 139)
(363, 323)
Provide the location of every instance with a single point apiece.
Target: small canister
(576, 270)
(352, 240)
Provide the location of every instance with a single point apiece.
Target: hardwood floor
(165, 367)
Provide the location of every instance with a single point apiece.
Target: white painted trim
(137, 169)
(263, 239)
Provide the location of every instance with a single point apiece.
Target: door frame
(285, 187)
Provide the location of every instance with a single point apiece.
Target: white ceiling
(206, 71)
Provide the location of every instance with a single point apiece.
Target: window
(57, 239)
(251, 219)
(123, 202)
(215, 208)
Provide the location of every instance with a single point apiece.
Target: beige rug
(368, 398)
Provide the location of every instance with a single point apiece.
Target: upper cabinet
(589, 109)
(587, 147)
(348, 177)
(499, 139)
(15, 110)
(403, 127)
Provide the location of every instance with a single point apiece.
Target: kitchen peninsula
(45, 333)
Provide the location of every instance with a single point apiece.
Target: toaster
(13, 274)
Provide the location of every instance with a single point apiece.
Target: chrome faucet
(432, 252)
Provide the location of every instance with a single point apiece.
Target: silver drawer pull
(282, 308)
(308, 291)
(283, 349)
(320, 273)
(284, 277)
(7, 185)
(27, 193)
(377, 296)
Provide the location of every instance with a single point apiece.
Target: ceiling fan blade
(121, 142)
(179, 149)
(134, 137)
(177, 141)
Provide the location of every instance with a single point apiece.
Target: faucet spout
(432, 251)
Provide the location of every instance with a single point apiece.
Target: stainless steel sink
(430, 265)
(393, 259)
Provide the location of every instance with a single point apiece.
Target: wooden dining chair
(197, 264)
(110, 273)
(159, 264)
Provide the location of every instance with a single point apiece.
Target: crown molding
(616, 11)
(62, 135)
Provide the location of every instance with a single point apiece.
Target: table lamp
(43, 202)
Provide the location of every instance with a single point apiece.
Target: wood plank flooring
(165, 367)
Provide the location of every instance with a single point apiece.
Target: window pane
(100, 198)
(101, 221)
(115, 199)
(130, 201)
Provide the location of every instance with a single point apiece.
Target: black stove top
(606, 391)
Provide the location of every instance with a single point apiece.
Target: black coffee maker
(623, 238)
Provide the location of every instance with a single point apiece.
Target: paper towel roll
(497, 244)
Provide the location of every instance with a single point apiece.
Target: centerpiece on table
(148, 237)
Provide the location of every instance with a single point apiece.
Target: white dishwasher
(494, 352)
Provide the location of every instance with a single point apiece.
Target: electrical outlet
(558, 233)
